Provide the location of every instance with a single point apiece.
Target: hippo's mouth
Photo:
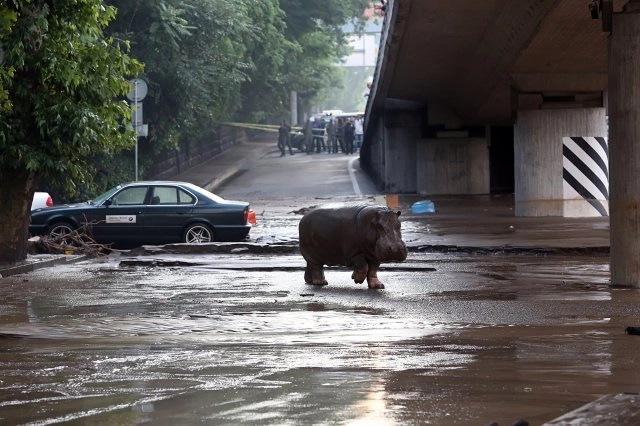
(392, 255)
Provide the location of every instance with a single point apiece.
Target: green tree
(318, 29)
(265, 92)
(64, 84)
(208, 61)
(195, 61)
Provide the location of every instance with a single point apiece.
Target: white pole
(135, 122)
(293, 100)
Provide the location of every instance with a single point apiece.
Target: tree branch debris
(78, 241)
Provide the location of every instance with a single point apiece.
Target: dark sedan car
(155, 212)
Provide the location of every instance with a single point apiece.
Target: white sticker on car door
(121, 218)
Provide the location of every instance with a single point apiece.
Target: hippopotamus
(359, 237)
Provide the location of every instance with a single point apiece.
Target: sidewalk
(214, 172)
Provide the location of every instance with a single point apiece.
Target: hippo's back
(329, 235)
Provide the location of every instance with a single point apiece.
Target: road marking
(352, 176)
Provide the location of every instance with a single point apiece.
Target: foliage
(62, 83)
(195, 61)
(65, 90)
(317, 27)
(265, 92)
(7, 19)
(208, 61)
(350, 96)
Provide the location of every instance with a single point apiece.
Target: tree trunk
(16, 196)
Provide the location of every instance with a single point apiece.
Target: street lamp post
(137, 95)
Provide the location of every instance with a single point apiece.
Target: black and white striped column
(585, 176)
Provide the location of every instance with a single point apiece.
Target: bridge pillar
(561, 160)
(402, 131)
(624, 113)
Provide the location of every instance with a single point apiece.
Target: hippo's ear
(398, 212)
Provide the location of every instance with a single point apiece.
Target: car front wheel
(57, 231)
(198, 233)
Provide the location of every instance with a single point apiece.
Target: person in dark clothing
(318, 134)
(340, 134)
(349, 136)
(331, 137)
(308, 137)
(284, 138)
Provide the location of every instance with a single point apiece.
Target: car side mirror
(107, 203)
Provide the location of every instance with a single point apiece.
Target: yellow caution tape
(256, 126)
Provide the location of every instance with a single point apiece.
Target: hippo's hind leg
(360, 269)
(314, 274)
(372, 276)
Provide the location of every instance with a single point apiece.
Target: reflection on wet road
(223, 341)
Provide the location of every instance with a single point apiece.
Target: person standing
(359, 127)
(340, 133)
(308, 141)
(284, 138)
(318, 134)
(331, 137)
(349, 136)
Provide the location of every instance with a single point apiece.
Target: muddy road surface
(240, 339)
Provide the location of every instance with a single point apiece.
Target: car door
(169, 211)
(122, 217)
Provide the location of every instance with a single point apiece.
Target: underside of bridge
(537, 97)
(466, 70)
(482, 60)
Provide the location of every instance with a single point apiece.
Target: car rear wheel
(57, 231)
(198, 233)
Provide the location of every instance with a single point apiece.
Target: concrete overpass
(536, 97)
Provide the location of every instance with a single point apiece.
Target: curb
(39, 261)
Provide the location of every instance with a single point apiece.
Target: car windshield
(104, 196)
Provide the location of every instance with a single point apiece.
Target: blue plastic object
(424, 206)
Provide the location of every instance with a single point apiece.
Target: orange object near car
(252, 217)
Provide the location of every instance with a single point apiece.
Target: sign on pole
(136, 95)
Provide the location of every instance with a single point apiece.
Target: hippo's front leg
(372, 276)
(360, 269)
(314, 274)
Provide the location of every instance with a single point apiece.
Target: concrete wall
(401, 133)
(453, 166)
(538, 144)
(400, 161)
(172, 163)
(400, 164)
(372, 154)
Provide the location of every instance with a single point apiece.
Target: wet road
(218, 338)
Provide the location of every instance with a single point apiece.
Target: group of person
(345, 133)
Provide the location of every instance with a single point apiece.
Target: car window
(204, 194)
(171, 195)
(130, 196)
(185, 198)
